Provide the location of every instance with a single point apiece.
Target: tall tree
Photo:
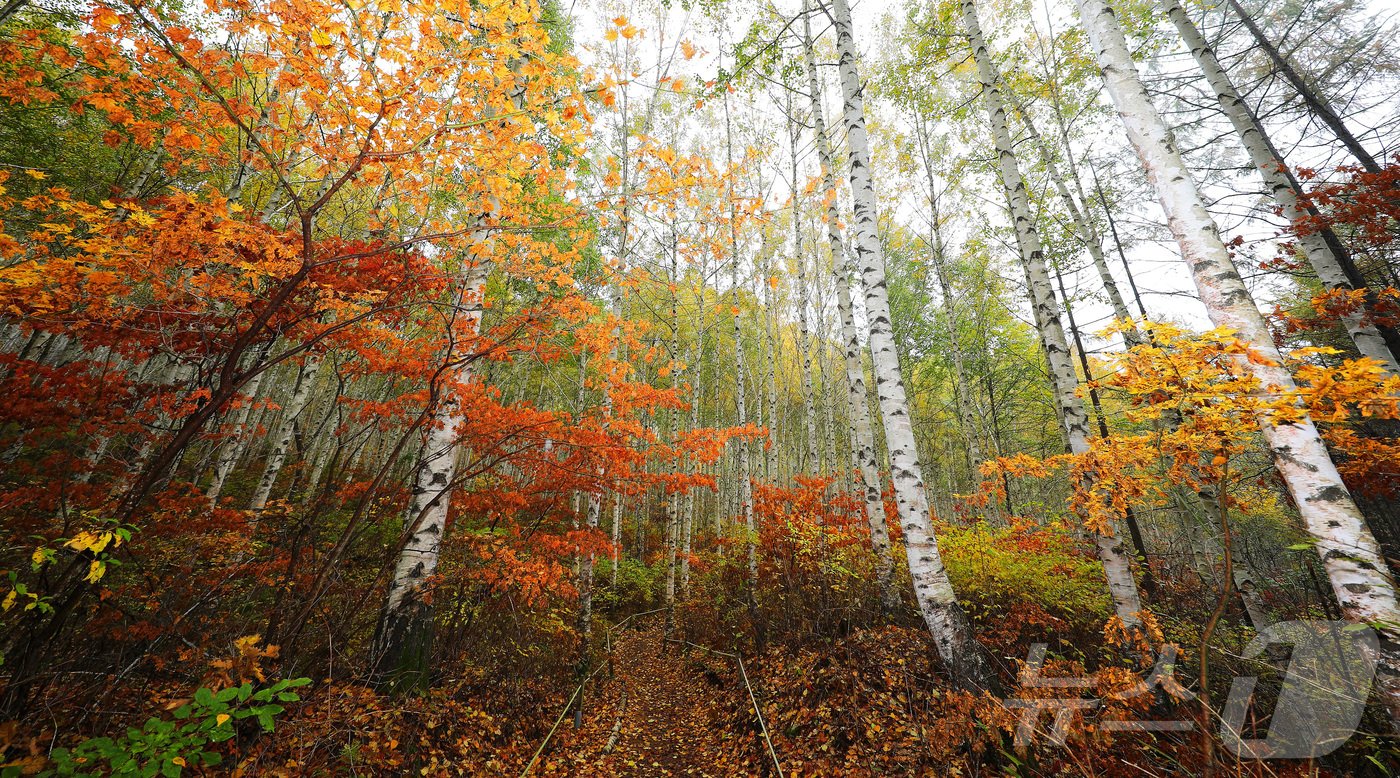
(1323, 251)
(1113, 555)
(861, 436)
(1349, 552)
(945, 617)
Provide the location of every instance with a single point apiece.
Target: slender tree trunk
(231, 447)
(808, 452)
(286, 429)
(1116, 560)
(770, 397)
(673, 518)
(967, 408)
(403, 640)
(861, 436)
(1314, 101)
(1084, 228)
(1330, 268)
(741, 413)
(946, 620)
(1349, 552)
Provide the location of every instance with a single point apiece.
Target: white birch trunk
(1115, 558)
(286, 429)
(741, 413)
(404, 635)
(231, 447)
(946, 620)
(808, 463)
(1349, 551)
(861, 436)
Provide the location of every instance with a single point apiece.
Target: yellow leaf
(95, 571)
(9, 601)
(220, 719)
(620, 21)
(179, 760)
(320, 38)
(37, 175)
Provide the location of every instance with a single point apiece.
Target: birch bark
(286, 430)
(946, 620)
(404, 636)
(1115, 558)
(1368, 339)
(861, 436)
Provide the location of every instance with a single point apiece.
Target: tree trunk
(1369, 340)
(741, 413)
(1087, 232)
(1116, 561)
(952, 632)
(286, 429)
(967, 408)
(808, 452)
(861, 437)
(231, 447)
(1314, 101)
(1349, 551)
(403, 640)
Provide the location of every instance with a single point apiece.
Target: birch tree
(1327, 258)
(1112, 554)
(1349, 552)
(946, 620)
(861, 437)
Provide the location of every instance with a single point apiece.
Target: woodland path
(671, 725)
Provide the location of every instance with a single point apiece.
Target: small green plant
(165, 747)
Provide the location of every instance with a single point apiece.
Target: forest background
(407, 354)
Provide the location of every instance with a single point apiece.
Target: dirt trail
(668, 726)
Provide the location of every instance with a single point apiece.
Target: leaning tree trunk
(286, 429)
(403, 640)
(231, 448)
(1349, 551)
(946, 620)
(861, 437)
(1314, 101)
(1085, 229)
(1115, 558)
(1360, 325)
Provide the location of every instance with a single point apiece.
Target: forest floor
(671, 723)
